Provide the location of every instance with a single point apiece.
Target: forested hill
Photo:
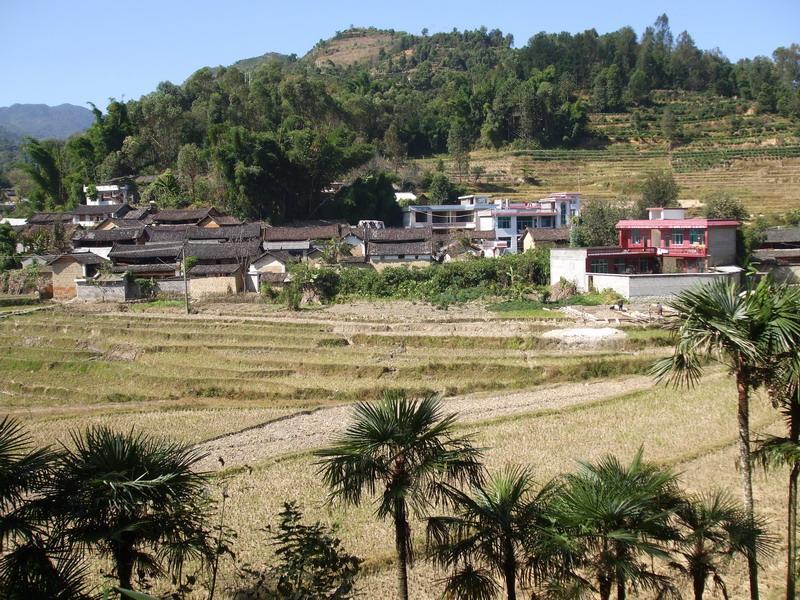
(45, 122)
(264, 139)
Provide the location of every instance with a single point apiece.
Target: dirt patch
(586, 336)
(315, 429)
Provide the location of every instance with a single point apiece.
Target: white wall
(569, 263)
(663, 285)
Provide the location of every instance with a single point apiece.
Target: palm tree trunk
(123, 559)
(510, 570)
(401, 546)
(699, 586)
(621, 593)
(791, 525)
(743, 416)
(604, 587)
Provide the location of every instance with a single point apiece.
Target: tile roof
(398, 234)
(46, 218)
(83, 258)
(184, 214)
(302, 233)
(221, 269)
(782, 235)
(548, 235)
(394, 249)
(107, 235)
(150, 268)
(103, 209)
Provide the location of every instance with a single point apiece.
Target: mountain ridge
(43, 121)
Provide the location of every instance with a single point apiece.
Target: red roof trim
(675, 223)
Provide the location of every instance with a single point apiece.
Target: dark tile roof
(393, 249)
(223, 269)
(152, 268)
(176, 233)
(782, 235)
(184, 215)
(544, 234)
(398, 234)
(116, 210)
(246, 231)
(169, 252)
(46, 218)
(221, 251)
(83, 258)
(226, 220)
(303, 233)
(108, 235)
(281, 255)
(138, 214)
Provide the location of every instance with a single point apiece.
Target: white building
(107, 193)
(509, 220)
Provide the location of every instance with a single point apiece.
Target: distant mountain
(45, 122)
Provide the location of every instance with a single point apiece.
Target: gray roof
(545, 234)
(398, 234)
(83, 258)
(46, 218)
(303, 233)
(184, 215)
(151, 268)
(107, 235)
(222, 269)
(394, 249)
(103, 209)
(782, 235)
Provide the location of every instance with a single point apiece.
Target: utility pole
(185, 276)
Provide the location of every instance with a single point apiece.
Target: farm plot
(262, 392)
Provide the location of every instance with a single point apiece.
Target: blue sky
(75, 51)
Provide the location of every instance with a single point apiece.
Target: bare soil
(314, 429)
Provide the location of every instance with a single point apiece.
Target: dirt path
(312, 430)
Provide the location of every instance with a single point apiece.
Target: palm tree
(619, 517)
(34, 562)
(404, 450)
(490, 534)
(135, 499)
(740, 329)
(715, 529)
(776, 452)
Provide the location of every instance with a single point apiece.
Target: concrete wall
(721, 246)
(106, 291)
(655, 286)
(569, 263)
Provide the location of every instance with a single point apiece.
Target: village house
(90, 215)
(656, 257)
(109, 192)
(67, 269)
(270, 268)
(508, 220)
(544, 238)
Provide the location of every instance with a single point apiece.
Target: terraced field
(262, 389)
(726, 147)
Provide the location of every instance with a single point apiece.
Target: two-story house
(667, 243)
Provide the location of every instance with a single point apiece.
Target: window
(619, 265)
(636, 236)
(546, 222)
(644, 265)
(696, 236)
(503, 222)
(524, 222)
(563, 214)
(599, 265)
(677, 237)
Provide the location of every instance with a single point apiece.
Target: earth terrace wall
(657, 287)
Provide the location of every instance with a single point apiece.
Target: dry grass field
(223, 377)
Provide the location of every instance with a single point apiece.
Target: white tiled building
(508, 219)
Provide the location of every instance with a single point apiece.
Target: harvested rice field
(261, 389)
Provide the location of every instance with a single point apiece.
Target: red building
(667, 242)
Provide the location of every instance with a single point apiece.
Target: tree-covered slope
(45, 122)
